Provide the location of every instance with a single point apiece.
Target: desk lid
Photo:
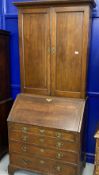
(46, 111)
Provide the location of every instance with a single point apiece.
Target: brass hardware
(24, 129)
(42, 131)
(58, 134)
(42, 150)
(26, 162)
(41, 140)
(25, 138)
(53, 50)
(24, 148)
(48, 99)
(59, 155)
(42, 161)
(59, 144)
(58, 168)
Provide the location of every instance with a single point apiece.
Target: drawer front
(44, 152)
(60, 169)
(44, 141)
(73, 137)
(43, 165)
(33, 164)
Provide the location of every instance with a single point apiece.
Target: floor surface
(5, 161)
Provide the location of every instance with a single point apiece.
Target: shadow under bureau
(45, 135)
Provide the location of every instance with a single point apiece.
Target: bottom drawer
(41, 165)
(61, 169)
(30, 163)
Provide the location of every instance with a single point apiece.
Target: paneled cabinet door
(35, 50)
(70, 27)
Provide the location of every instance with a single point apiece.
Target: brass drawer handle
(42, 162)
(41, 140)
(42, 131)
(26, 162)
(25, 138)
(59, 155)
(24, 129)
(53, 50)
(58, 134)
(42, 150)
(59, 144)
(24, 148)
(58, 168)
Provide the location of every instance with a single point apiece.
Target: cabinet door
(35, 50)
(70, 27)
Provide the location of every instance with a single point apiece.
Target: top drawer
(59, 134)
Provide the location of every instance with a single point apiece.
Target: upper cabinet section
(54, 37)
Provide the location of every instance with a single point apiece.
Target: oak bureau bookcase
(47, 120)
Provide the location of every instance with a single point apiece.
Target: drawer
(43, 141)
(59, 134)
(40, 165)
(44, 152)
(64, 169)
(30, 163)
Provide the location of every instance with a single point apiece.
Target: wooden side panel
(34, 47)
(5, 100)
(5, 107)
(69, 51)
(4, 67)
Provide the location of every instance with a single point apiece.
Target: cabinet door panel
(68, 59)
(35, 58)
